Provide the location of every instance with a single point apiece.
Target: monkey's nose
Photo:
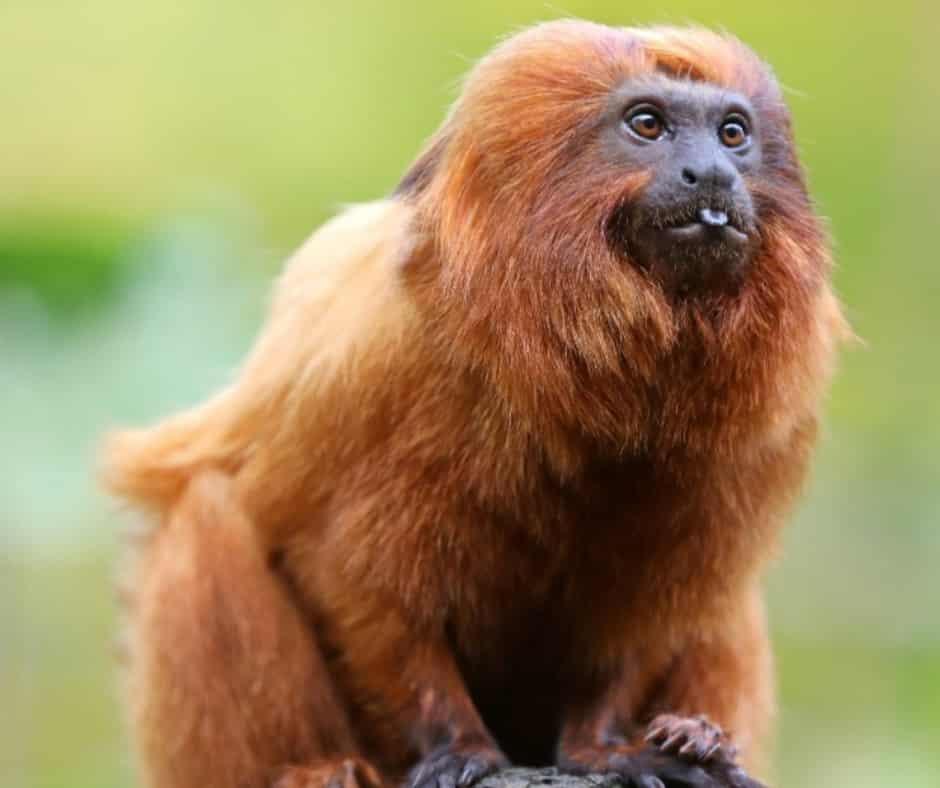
(711, 175)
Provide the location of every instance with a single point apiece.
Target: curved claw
(672, 740)
(713, 750)
(691, 747)
(475, 769)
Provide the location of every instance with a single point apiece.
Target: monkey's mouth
(691, 247)
(710, 225)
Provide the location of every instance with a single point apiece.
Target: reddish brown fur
(514, 490)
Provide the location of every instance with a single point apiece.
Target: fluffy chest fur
(440, 495)
(629, 543)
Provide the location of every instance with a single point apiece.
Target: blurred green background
(158, 160)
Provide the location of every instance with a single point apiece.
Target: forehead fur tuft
(704, 55)
(578, 60)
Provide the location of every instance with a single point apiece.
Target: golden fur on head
(515, 201)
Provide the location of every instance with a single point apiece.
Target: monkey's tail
(151, 467)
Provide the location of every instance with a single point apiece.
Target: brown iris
(646, 123)
(734, 132)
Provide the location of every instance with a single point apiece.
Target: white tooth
(713, 218)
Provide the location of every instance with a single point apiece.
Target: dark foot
(448, 768)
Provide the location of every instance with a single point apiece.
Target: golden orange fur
(480, 483)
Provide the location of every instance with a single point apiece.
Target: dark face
(693, 225)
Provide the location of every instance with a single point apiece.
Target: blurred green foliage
(68, 266)
(159, 159)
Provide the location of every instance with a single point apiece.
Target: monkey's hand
(454, 766)
(698, 740)
(694, 738)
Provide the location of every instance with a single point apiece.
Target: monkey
(499, 479)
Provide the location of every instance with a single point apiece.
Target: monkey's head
(693, 224)
(603, 203)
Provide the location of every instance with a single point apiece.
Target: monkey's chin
(694, 258)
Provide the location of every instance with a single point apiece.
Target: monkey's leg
(227, 687)
(420, 718)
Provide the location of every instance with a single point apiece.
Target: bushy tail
(151, 467)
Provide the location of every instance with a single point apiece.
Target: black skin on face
(693, 226)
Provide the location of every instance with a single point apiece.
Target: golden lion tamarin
(498, 480)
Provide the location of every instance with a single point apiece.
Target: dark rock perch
(547, 778)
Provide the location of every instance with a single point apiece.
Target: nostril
(688, 177)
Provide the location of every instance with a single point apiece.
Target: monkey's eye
(734, 132)
(646, 122)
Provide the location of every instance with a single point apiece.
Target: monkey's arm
(688, 721)
(726, 678)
